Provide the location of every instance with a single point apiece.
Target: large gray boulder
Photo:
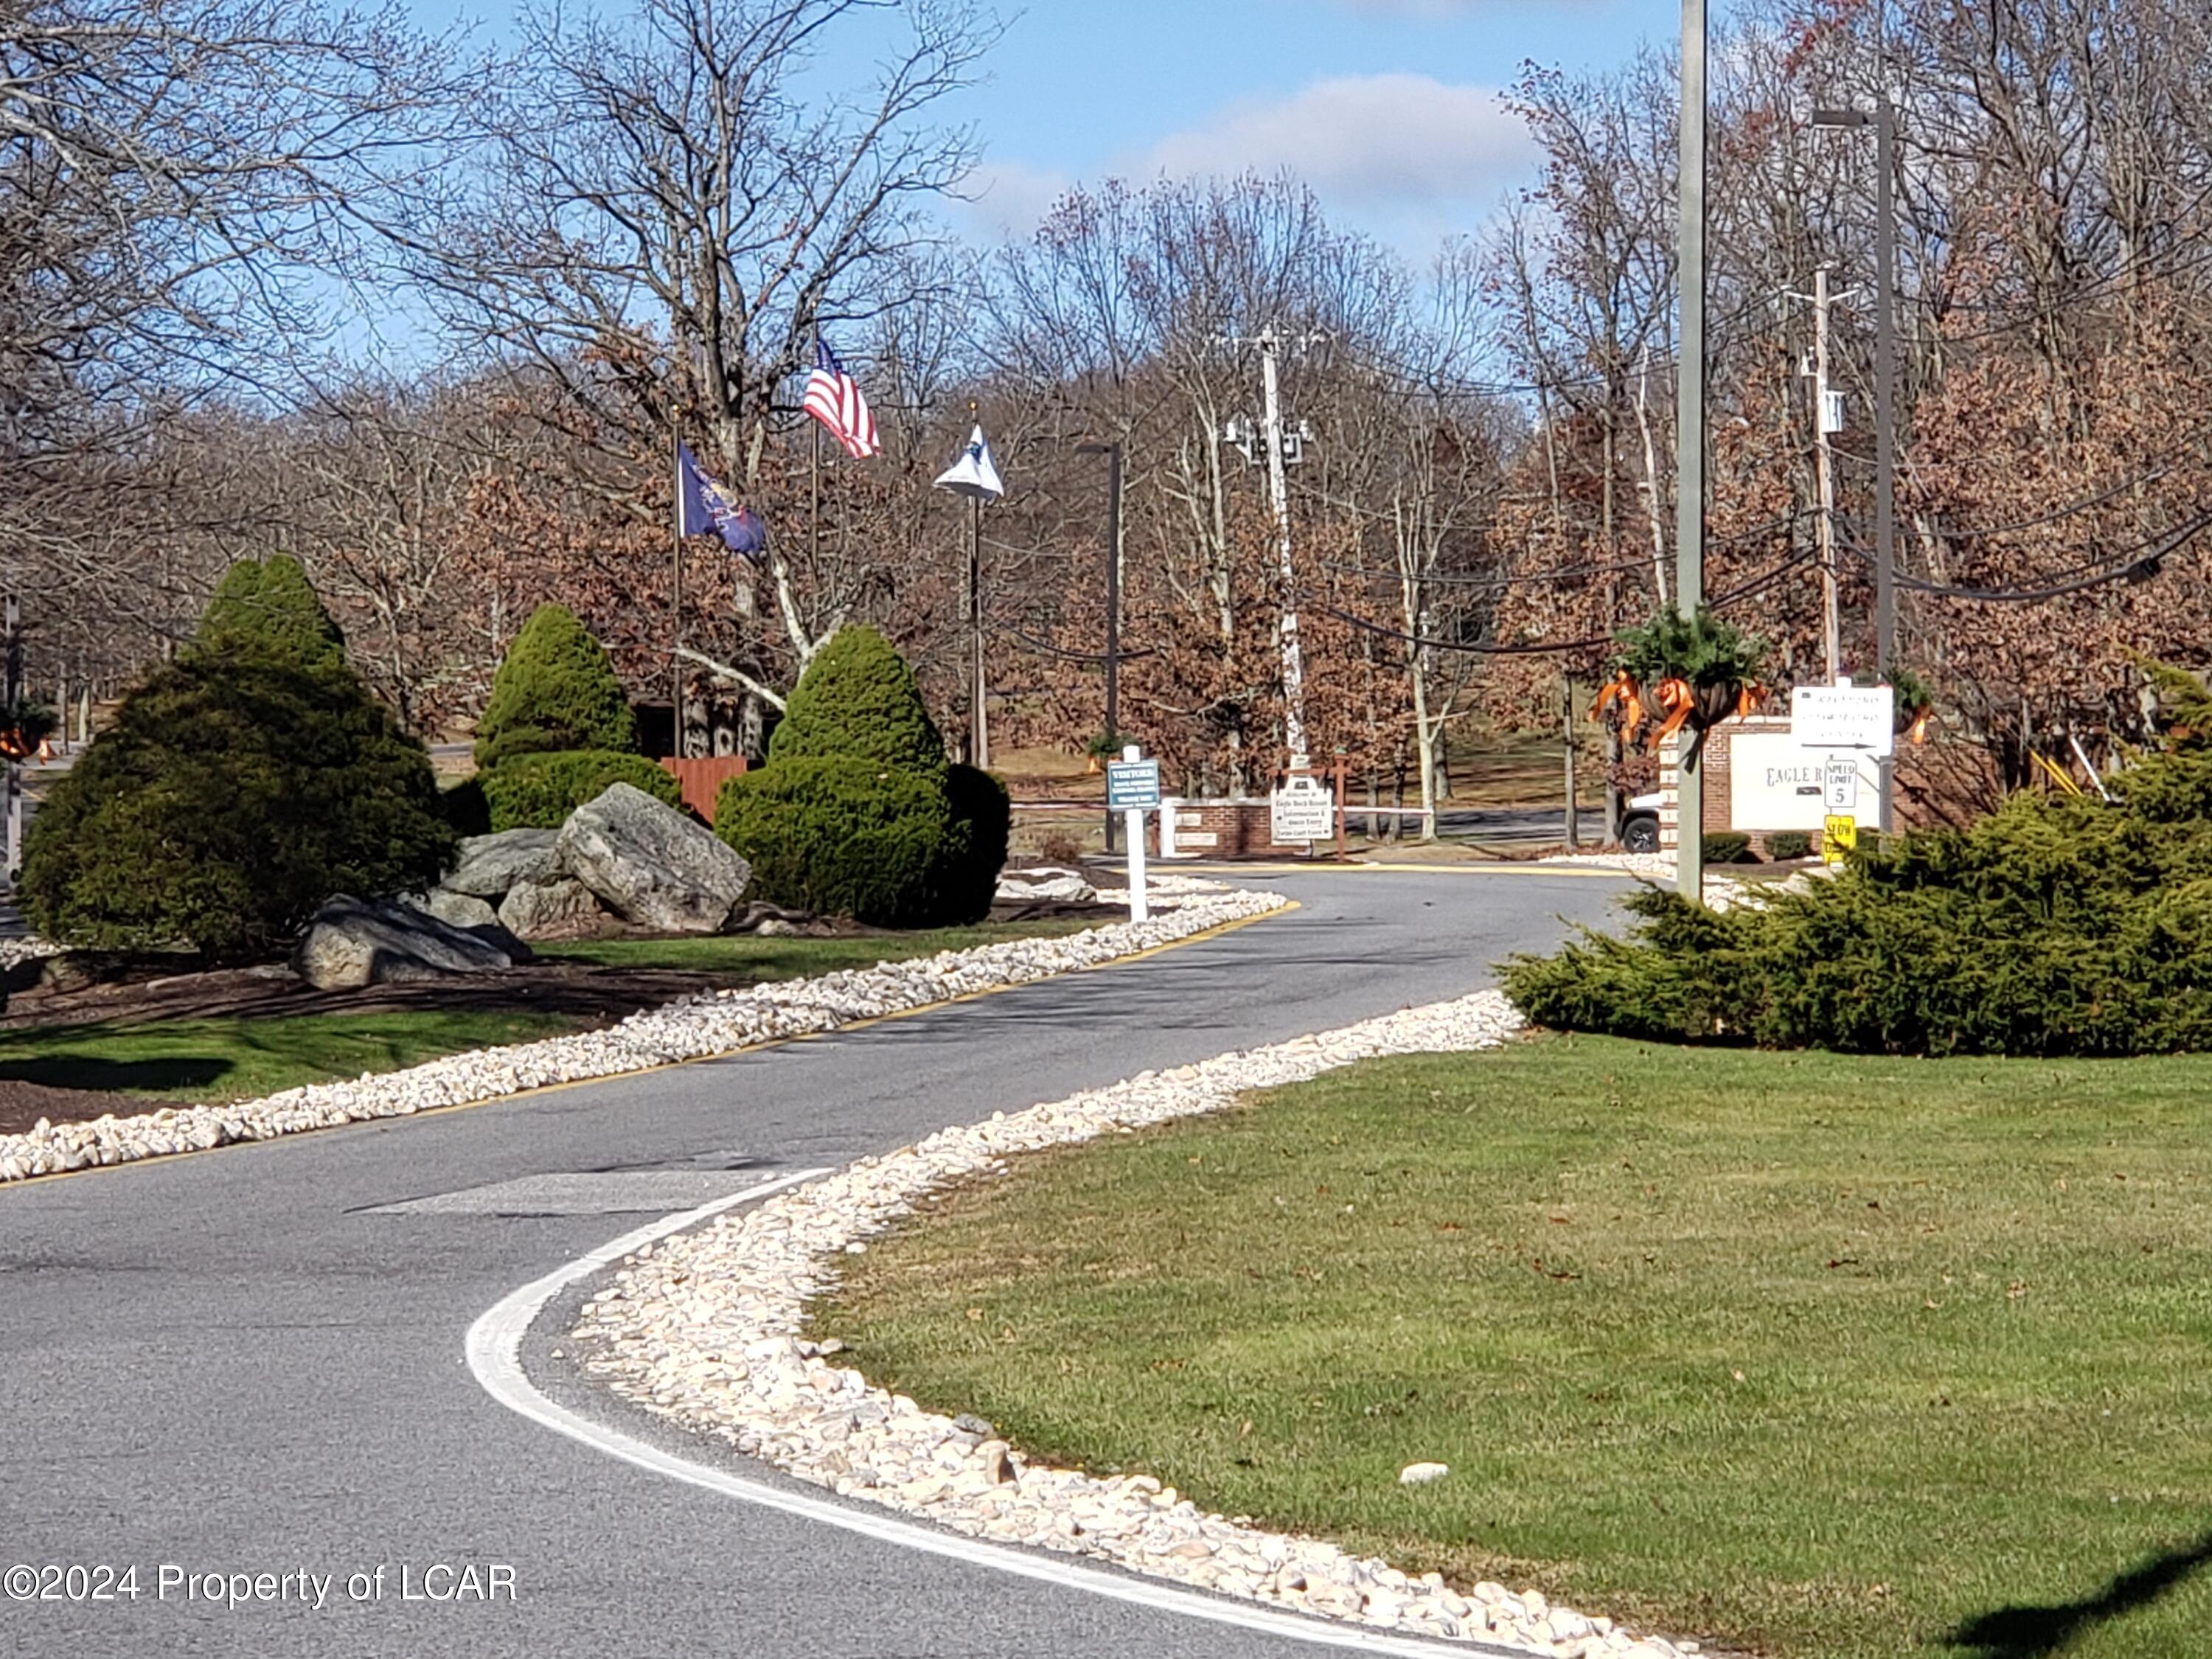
(353, 942)
(462, 910)
(652, 864)
(491, 865)
(562, 908)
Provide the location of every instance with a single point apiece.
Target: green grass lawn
(240, 1058)
(759, 959)
(1803, 1353)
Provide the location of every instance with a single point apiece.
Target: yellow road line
(1149, 951)
(1576, 872)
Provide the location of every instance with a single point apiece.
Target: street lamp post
(1113, 454)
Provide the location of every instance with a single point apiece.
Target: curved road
(251, 1361)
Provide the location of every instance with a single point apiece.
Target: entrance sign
(1844, 717)
(1839, 782)
(1132, 784)
(1302, 809)
(1774, 783)
(1838, 834)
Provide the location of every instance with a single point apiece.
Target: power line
(2143, 554)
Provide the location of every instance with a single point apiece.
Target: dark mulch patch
(22, 1104)
(579, 990)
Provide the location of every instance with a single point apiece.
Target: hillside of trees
(631, 232)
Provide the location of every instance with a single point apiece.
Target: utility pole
(1690, 425)
(1826, 421)
(1294, 672)
(1884, 121)
(1113, 453)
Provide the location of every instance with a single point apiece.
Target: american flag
(834, 399)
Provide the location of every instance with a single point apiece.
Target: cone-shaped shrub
(857, 813)
(265, 606)
(858, 697)
(555, 690)
(238, 787)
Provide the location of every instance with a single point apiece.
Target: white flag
(974, 473)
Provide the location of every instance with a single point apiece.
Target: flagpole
(675, 602)
(814, 500)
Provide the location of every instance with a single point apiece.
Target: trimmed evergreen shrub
(1788, 844)
(266, 607)
(858, 697)
(857, 813)
(1726, 847)
(238, 787)
(843, 836)
(555, 690)
(980, 802)
(538, 792)
(2054, 926)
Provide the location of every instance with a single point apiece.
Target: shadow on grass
(2032, 1633)
(161, 1075)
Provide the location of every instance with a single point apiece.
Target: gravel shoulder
(709, 1329)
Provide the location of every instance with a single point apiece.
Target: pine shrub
(555, 690)
(238, 788)
(857, 813)
(858, 697)
(843, 836)
(1788, 844)
(2054, 926)
(1726, 847)
(538, 791)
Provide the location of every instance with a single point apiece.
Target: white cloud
(1364, 142)
(1008, 198)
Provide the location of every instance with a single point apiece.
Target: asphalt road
(247, 1361)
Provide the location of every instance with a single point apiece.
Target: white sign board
(1839, 780)
(1844, 717)
(1776, 784)
(1302, 809)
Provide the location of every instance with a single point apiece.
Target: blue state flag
(703, 508)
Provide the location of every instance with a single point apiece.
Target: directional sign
(1839, 782)
(1844, 717)
(1302, 809)
(1132, 785)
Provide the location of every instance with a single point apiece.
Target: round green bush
(971, 881)
(841, 835)
(858, 697)
(555, 691)
(238, 788)
(538, 791)
(1788, 844)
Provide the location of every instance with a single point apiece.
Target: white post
(1294, 672)
(1133, 826)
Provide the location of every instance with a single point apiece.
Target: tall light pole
(1113, 454)
(1690, 428)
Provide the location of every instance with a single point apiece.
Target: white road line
(495, 1346)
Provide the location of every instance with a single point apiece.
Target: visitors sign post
(1302, 809)
(1132, 785)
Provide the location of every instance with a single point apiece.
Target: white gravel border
(704, 1328)
(693, 1029)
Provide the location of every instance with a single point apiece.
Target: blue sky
(1390, 108)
